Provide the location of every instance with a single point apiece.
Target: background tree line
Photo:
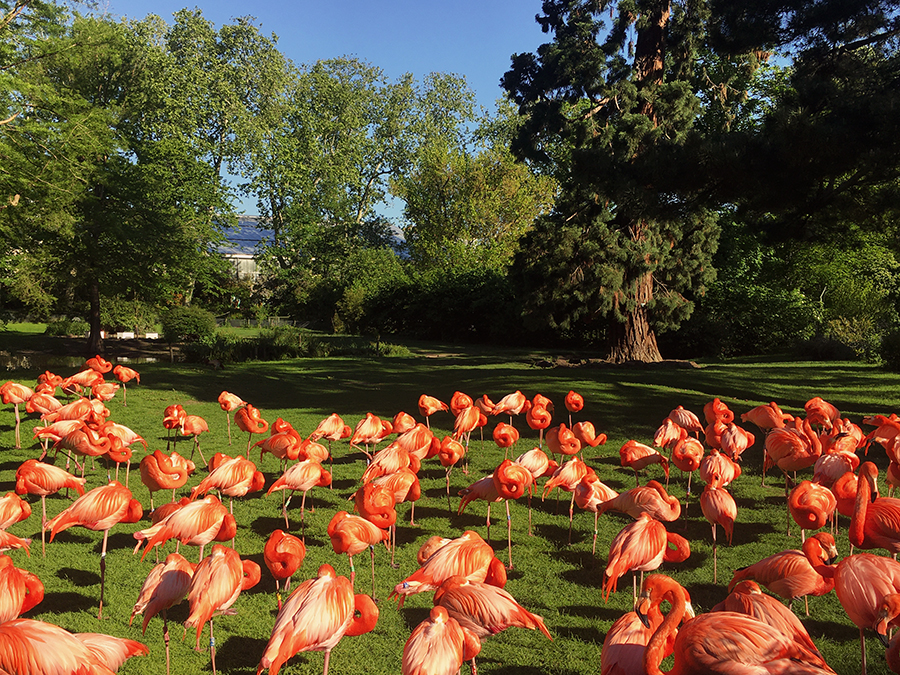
(701, 177)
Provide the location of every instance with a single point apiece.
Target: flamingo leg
(302, 513)
(212, 646)
(102, 572)
(412, 513)
(284, 505)
(571, 515)
(352, 572)
(393, 544)
(328, 651)
(530, 534)
(449, 510)
(594, 548)
(278, 593)
(228, 420)
(44, 526)
(509, 534)
(862, 644)
(372, 554)
(124, 396)
(166, 640)
(714, 553)
(489, 524)
(18, 438)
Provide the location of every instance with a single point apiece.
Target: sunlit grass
(562, 583)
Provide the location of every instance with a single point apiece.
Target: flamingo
(173, 416)
(160, 471)
(719, 641)
(375, 502)
(428, 405)
(861, 581)
(105, 391)
(351, 535)
(249, 419)
(13, 509)
(283, 555)
(284, 442)
(369, 430)
(449, 454)
(438, 646)
(715, 463)
(747, 598)
(538, 418)
(37, 478)
(687, 420)
(563, 441)
(811, 506)
(484, 489)
(505, 436)
(194, 425)
(574, 403)
(468, 555)
(124, 375)
(735, 440)
(511, 404)
(33, 647)
(218, 580)
(459, 402)
(590, 493)
(98, 364)
(792, 574)
(567, 477)
(888, 612)
(194, 524)
(229, 402)
(538, 465)
(403, 422)
(651, 498)
(585, 432)
(167, 585)
(687, 455)
(483, 609)
(636, 456)
(99, 509)
(874, 523)
(715, 410)
(15, 393)
(767, 417)
(20, 590)
(231, 476)
(404, 485)
(510, 481)
(719, 508)
(315, 618)
(821, 413)
(626, 640)
(642, 546)
(302, 476)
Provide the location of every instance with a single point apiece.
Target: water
(56, 363)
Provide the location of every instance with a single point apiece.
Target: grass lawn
(562, 583)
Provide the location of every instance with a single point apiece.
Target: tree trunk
(635, 340)
(95, 340)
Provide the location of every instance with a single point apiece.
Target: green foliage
(67, 328)
(890, 350)
(121, 314)
(187, 324)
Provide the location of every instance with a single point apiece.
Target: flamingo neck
(656, 647)
(856, 533)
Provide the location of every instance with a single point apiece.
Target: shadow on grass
(80, 577)
(69, 601)
(239, 654)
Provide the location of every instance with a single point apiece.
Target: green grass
(562, 583)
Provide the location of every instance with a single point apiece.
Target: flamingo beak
(881, 628)
(641, 609)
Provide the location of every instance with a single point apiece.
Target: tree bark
(95, 340)
(635, 340)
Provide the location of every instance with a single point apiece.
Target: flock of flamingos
(749, 632)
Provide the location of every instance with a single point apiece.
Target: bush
(118, 314)
(67, 328)
(188, 324)
(275, 344)
(890, 350)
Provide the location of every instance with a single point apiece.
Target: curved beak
(641, 609)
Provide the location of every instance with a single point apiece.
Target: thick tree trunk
(635, 340)
(95, 340)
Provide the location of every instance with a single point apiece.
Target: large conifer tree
(610, 104)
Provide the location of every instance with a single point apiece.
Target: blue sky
(473, 38)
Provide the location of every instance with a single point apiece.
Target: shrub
(188, 324)
(67, 328)
(119, 314)
(890, 350)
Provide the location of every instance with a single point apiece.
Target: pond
(62, 365)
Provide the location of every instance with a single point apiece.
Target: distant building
(243, 243)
